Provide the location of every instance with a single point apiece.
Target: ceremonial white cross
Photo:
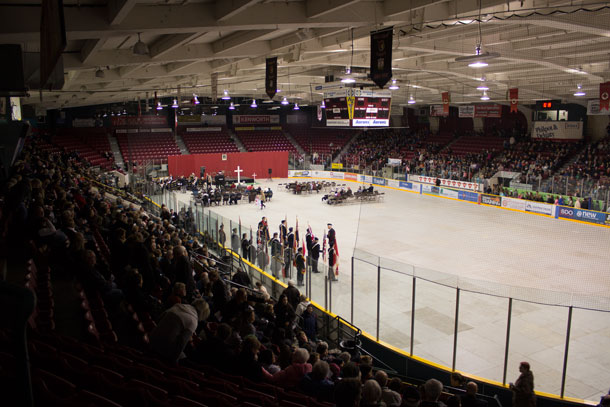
(254, 176)
(238, 171)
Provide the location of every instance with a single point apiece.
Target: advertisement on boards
(538, 207)
(582, 214)
(337, 175)
(378, 181)
(449, 193)
(492, 200)
(303, 173)
(392, 183)
(350, 176)
(468, 196)
(512, 203)
(429, 189)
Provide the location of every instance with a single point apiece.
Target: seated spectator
(470, 398)
(175, 329)
(411, 397)
(248, 364)
(268, 359)
(348, 392)
(371, 394)
(390, 397)
(291, 376)
(432, 390)
(317, 384)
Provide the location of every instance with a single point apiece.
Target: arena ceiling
(546, 47)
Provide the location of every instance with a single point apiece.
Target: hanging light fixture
(393, 86)
(140, 48)
(175, 104)
(99, 73)
(579, 92)
(411, 100)
(253, 105)
(478, 62)
(323, 105)
(478, 59)
(483, 85)
(231, 106)
(484, 97)
(225, 95)
(105, 114)
(284, 101)
(195, 99)
(159, 107)
(125, 111)
(296, 106)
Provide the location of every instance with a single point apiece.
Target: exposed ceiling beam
(317, 8)
(90, 48)
(225, 9)
(119, 9)
(237, 39)
(170, 42)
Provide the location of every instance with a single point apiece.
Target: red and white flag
(446, 100)
(514, 99)
(604, 96)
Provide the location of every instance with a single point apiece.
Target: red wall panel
(257, 162)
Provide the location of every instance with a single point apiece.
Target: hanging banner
(350, 106)
(604, 96)
(437, 110)
(593, 108)
(561, 130)
(514, 99)
(381, 56)
(319, 113)
(271, 77)
(214, 86)
(256, 119)
(466, 111)
(446, 100)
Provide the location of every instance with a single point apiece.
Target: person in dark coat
(470, 398)
(245, 247)
(242, 278)
(284, 313)
(309, 323)
(314, 254)
(331, 235)
(293, 294)
(300, 263)
(523, 388)
(183, 270)
(219, 292)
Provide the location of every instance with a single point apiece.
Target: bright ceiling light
(296, 106)
(195, 99)
(483, 87)
(348, 76)
(140, 48)
(175, 104)
(285, 101)
(411, 100)
(393, 86)
(579, 92)
(484, 97)
(323, 105)
(159, 107)
(225, 95)
(478, 64)
(231, 107)
(253, 105)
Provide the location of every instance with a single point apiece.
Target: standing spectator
(183, 271)
(523, 388)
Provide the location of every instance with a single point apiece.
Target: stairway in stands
(294, 143)
(182, 145)
(238, 143)
(346, 147)
(116, 151)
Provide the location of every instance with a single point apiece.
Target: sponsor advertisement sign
(538, 207)
(594, 110)
(378, 181)
(492, 200)
(83, 123)
(301, 174)
(437, 110)
(468, 196)
(512, 203)
(350, 176)
(120, 121)
(394, 161)
(405, 184)
(256, 119)
(368, 179)
(450, 193)
(217, 120)
(558, 130)
(582, 214)
(337, 175)
(336, 166)
(488, 111)
(445, 182)
(337, 122)
(429, 189)
(202, 129)
(189, 119)
(466, 111)
(393, 183)
(371, 122)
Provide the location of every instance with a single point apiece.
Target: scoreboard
(358, 108)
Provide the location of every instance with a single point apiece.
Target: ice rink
(506, 252)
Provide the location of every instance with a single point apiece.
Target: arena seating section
(265, 140)
(319, 140)
(140, 147)
(90, 143)
(201, 142)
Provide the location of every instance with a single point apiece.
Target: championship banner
(514, 99)
(381, 56)
(271, 77)
(446, 100)
(214, 86)
(350, 106)
(604, 96)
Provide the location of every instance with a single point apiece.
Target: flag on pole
(324, 247)
(296, 236)
(240, 227)
(336, 265)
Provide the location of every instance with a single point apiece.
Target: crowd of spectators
(201, 317)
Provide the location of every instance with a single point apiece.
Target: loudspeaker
(269, 171)
(202, 172)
